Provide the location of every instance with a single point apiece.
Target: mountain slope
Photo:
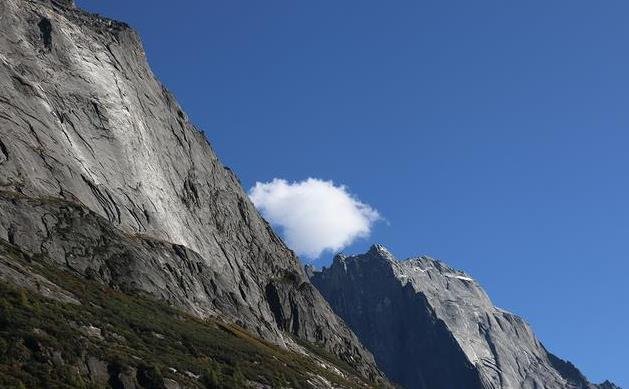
(60, 330)
(101, 171)
(430, 326)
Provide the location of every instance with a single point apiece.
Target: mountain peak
(447, 333)
(380, 251)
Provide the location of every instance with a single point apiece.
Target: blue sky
(491, 134)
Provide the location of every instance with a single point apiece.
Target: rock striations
(101, 171)
(430, 326)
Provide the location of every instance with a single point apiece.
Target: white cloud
(314, 215)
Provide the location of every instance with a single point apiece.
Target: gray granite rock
(431, 326)
(101, 170)
(15, 273)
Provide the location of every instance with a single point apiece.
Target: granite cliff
(103, 175)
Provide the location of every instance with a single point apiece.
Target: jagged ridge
(431, 326)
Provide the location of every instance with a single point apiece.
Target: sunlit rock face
(430, 326)
(101, 170)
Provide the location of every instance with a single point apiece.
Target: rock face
(430, 326)
(101, 170)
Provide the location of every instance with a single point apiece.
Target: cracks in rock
(137, 220)
(111, 199)
(190, 194)
(40, 152)
(23, 86)
(177, 137)
(105, 200)
(116, 63)
(4, 154)
(179, 278)
(134, 214)
(181, 120)
(284, 322)
(100, 116)
(488, 320)
(242, 293)
(499, 321)
(223, 251)
(62, 120)
(85, 142)
(45, 29)
(522, 372)
(180, 251)
(154, 208)
(492, 347)
(20, 110)
(275, 305)
(145, 110)
(35, 135)
(8, 119)
(244, 279)
(242, 208)
(11, 234)
(294, 310)
(121, 95)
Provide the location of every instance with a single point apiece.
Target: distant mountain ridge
(430, 326)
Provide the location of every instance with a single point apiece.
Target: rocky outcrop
(15, 273)
(101, 170)
(431, 326)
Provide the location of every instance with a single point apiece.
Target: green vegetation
(45, 343)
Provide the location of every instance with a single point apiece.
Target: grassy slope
(43, 344)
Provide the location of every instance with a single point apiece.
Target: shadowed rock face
(400, 328)
(430, 326)
(101, 170)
